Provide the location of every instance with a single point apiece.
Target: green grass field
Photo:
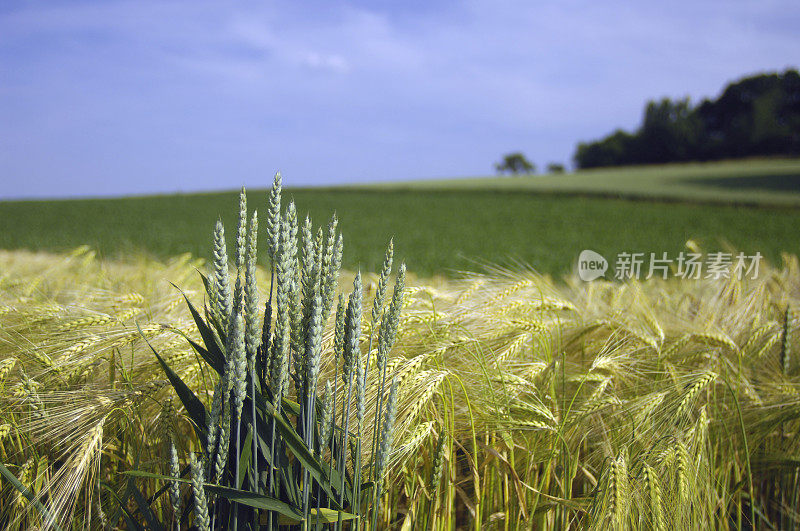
(748, 182)
(447, 226)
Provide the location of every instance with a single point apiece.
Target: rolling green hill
(748, 182)
(441, 227)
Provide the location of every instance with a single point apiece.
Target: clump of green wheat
(263, 458)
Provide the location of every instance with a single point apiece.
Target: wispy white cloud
(152, 95)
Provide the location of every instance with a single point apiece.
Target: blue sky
(129, 97)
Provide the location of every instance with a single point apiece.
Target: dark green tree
(515, 164)
(617, 149)
(669, 132)
(755, 116)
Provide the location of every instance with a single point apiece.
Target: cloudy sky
(126, 97)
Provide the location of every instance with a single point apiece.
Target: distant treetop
(755, 116)
(515, 164)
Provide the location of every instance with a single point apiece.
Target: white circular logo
(591, 265)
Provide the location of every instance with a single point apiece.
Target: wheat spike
(241, 233)
(767, 346)
(682, 474)
(251, 309)
(221, 457)
(380, 290)
(432, 381)
(201, 519)
(391, 319)
(693, 390)
(221, 297)
(352, 330)
(314, 344)
(437, 465)
(238, 366)
(716, 339)
(617, 491)
(757, 336)
(32, 396)
(653, 489)
(331, 263)
(281, 336)
(219, 397)
(522, 284)
(274, 217)
(6, 367)
(174, 471)
(86, 322)
(676, 346)
(786, 354)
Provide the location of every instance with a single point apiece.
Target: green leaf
(205, 354)
(144, 508)
(290, 407)
(289, 482)
(11, 478)
(303, 454)
(129, 519)
(326, 516)
(204, 278)
(252, 499)
(215, 358)
(123, 503)
(164, 489)
(150, 475)
(244, 457)
(366, 490)
(193, 405)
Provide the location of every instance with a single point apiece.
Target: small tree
(515, 164)
(555, 167)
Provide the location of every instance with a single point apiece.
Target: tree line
(755, 116)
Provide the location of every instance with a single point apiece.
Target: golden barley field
(523, 402)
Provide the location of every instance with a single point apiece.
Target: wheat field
(522, 402)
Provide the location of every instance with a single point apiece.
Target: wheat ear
(274, 216)
(175, 486)
(221, 298)
(693, 390)
(252, 328)
(786, 354)
(351, 350)
(437, 465)
(313, 353)
(331, 263)
(653, 489)
(387, 335)
(201, 519)
(284, 259)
